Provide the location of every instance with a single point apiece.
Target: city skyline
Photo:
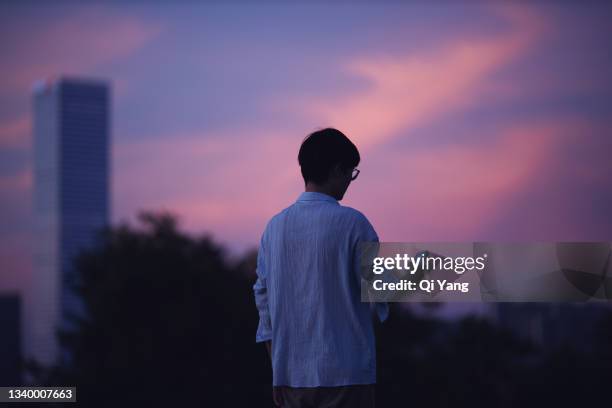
(481, 122)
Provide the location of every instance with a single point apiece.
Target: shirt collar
(314, 196)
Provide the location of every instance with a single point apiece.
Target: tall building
(71, 129)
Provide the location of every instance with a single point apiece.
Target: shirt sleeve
(264, 329)
(368, 234)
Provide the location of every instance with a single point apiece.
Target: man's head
(327, 159)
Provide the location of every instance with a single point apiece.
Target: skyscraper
(71, 129)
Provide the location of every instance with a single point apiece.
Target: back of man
(308, 291)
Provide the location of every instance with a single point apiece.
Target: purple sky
(479, 121)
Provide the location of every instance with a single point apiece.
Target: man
(318, 332)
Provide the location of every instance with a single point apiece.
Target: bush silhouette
(169, 320)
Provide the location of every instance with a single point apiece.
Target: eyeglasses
(354, 174)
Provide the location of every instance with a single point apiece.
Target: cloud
(407, 91)
(568, 198)
(16, 183)
(15, 134)
(222, 182)
(15, 253)
(15, 234)
(455, 191)
(76, 44)
(231, 185)
(541, 180)
(218, 182)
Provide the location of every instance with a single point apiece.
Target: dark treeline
(170, 321)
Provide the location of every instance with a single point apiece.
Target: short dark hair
(322, 150)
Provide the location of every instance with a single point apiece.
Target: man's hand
(276, 395)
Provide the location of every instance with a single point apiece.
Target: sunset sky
(484, 121)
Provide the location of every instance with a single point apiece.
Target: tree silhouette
(170, 320)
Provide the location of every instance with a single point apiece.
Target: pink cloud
(222, 182)
(455, 192)
(17, 183)
(76, 44)
(231, 186)
(15, 253)
(15, 191)
(232, 182)
(15, 134)
(407, 91)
